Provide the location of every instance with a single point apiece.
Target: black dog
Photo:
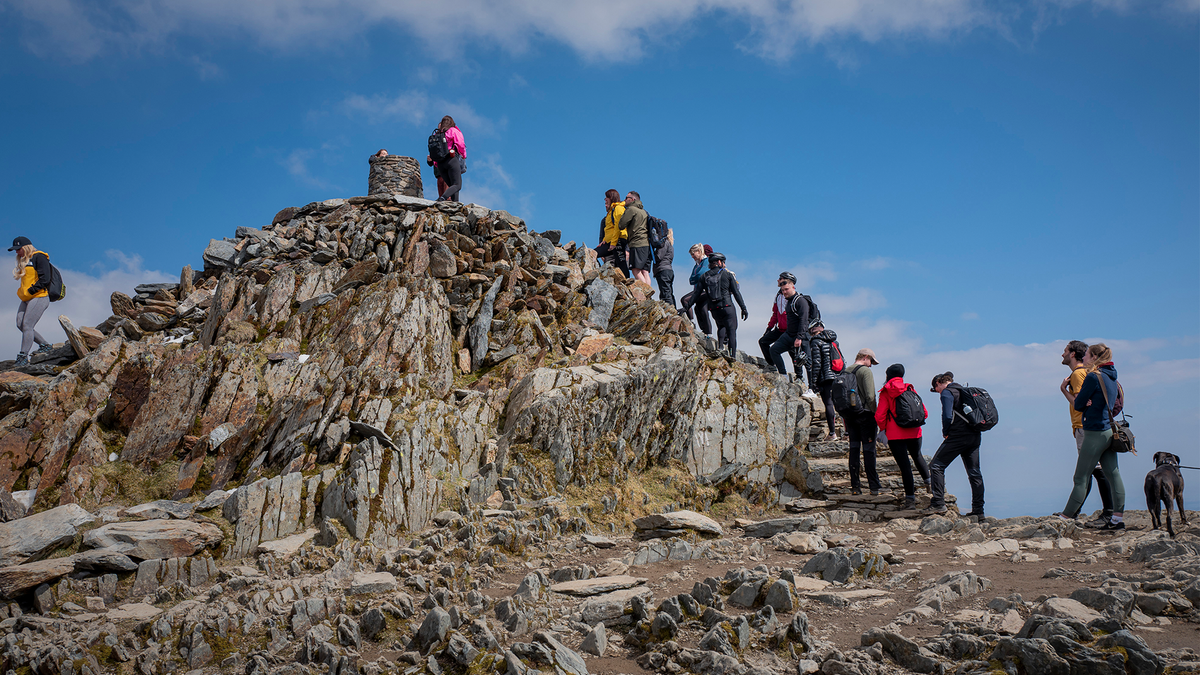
(1164, 484)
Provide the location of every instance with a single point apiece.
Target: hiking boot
(1098, 523)
(875, 492)
(1110, 526)
(22, 360)
(44, 349)
(856, 491)
(1064, 516)
(935, 508)
(910, 503)
(975, 517)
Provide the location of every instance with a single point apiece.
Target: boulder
(675, 523)
(610, 607)
(17, 579)
(32, 537)
(154, 539)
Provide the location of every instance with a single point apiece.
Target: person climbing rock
(904, 442)
(795, 340)
(696, 302)
(777, 325)
(33, 275)
(612, 238)
(721, 287)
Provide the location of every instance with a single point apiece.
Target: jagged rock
(10, 509)
(1140, 659)
(441, 261)
(162, 509)
(433, 630)
(563, 659)
(802, 543)
(17, 579)
(833, 565)
(935, 525)
(103, 560)
(769, 528)
(30, 538)
(1033, 655)
(219, 254)
(1066, 608)
(151, 539)
(601, 296)
(596, 641)
(676, 522)
(905, 652)
(610, 607)
(780, 596)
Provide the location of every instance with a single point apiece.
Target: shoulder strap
(1104, 391)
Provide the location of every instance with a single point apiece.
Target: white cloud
(970, 316)
(617, 30)
(417, 107)
(86, 303)
(206, 70)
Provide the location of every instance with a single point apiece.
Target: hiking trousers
(28, 314)
(451, 170)
(1096, 449)
(957, 445)
(1102, 485)
(861, 430)
(825, 389)
(727, 323)
(902, 450)
(666, 279)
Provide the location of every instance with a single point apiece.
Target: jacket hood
(895, 386)
(827, 335)
(1109, 370)
(637, 203)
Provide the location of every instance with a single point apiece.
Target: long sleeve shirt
(455, 142)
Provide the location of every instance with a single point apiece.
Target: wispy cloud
(298, 163)
(970, 316)
(417, 107)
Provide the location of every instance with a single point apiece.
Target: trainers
(1097, 523)
(1064, 516)
(1110, 526)
(45, 349)
(910, 503)
(974, 517)
(833, 439)
(935, 509)
(22, 360)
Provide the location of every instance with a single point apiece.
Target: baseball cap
(868, 353)
(19, 242)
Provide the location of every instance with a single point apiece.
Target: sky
(961, 185)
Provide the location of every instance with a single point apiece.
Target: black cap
(715, 257)
(895, 370)
(20, 242)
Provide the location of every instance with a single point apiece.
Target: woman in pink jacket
(904, 442)
(451, 169)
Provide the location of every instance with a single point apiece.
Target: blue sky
(961, 184)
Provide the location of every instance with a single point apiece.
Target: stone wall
(394, 174)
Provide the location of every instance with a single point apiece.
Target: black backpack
(910, 411)
(712, 284)
(813, 313)
(976, 408)
(846, 399)
(438, 151)
(656, 230)
(57, 289)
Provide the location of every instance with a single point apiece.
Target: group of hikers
(636, 243)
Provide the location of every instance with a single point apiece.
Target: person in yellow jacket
(612, 237)
(33, 282)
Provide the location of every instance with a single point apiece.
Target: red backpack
(837, 363)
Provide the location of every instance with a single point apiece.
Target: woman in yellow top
(33, 281)
(612, 237)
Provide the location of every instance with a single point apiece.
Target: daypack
(438, 150)
(910, 411)
(976, 408)
(656, 230)
(813, 312)
(712, 284)
(57, 289)
(846, 400)
(836, 363)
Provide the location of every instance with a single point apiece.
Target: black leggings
(902, 449)
(451, 171)
(825, 389)
(727, 323)
(699, 303)
(666, 279)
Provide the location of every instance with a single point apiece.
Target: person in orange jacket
(903, 442)
(33, 274)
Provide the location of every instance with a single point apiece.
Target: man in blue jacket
(959, 440)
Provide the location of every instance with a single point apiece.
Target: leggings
(451, 169)
(825, 389)
(1096, 449)
(666, 281)
(1101, 482)
(727, 323)
(861, 430)
(28, 315)
(902, 449)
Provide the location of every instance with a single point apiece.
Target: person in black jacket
(820, 371)
(722, 289)
(796, 338)
(960, 440)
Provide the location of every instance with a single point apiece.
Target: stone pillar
(394, 174)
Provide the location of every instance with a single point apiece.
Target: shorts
(639, 258)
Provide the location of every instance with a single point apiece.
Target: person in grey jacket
(664, 255)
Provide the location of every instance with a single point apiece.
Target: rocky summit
(383, 435)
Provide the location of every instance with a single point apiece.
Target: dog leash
(1189, 467)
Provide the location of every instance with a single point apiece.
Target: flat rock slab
(372, 582)
(855, 595)
(597, 585)
(155, 539)
(103, 559)
(810, 584)
(598, 541)
(991, 547)
(162, 509)
(800, 504)
(610, 607)
(1066, 608)
(137, 611)
(32, 537)
(288, 546)
(679, 520)
(769, 528)
(17, 579)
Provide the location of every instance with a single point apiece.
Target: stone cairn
(393, 174)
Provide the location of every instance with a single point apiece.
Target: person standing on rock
(612, 238)
(664, 259)
(903, 442)
(450, 165)
(1073, 358)
(860, 427)
(1096, 396)
(33, 275)
(777, 326)
(959, 440)
(795, 340)
(820, 371)
(721, 287)
(634, 221)
(696, 299)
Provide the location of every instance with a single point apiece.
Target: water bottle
(967, 409)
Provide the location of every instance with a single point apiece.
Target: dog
(1164, 484)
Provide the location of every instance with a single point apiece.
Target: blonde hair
(671, 236)
(23, 255)
(696, 247)
(1101, 354)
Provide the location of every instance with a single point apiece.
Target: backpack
(976, 408)
(846, 400)
(712, 284)
(656, 230)
(813, 312)
(910, 411)
(836, 363)
(438, 151)
(57, 289)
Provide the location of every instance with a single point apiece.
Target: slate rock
(43, 599)
(219, 254)
(155, 539)
(101, 560)
(833, 565)
(1032, 655)
(433, 630)
(597, 585)
(162, 509)
(373, 622)
(610, 607)
(904, 651)
(780, 596)
(769, 528)
(746, 595)
(213, 500)
(441, 261)
(10, 509)
(601, 296)
(679, 520)
(1141, 660)
(33, 536)
(564, 660)
(1066, 608)
(17, 579)
(596, 641)
(372, 582)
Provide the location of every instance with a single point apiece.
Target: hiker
(823, 351)
(634, 221)
(904, 442)
(959, 439)
(1096, 395)
(437, 175)
(612, 238)
(32, 273)
(860, 426)
(696, 300)
(795, 340)
(450, 165)
(663, 243)
(777, 326)
(1073, 358)
(721, 287)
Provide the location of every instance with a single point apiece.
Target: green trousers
(1095, 449)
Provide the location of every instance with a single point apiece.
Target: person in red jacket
(778, 324)
(903, 442)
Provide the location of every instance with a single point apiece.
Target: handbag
(1122, 437)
